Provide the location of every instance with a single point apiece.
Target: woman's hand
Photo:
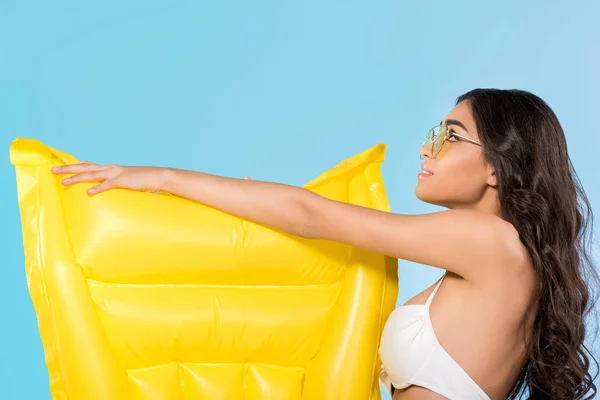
(142, 179)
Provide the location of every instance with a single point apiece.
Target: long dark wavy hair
(542, 196)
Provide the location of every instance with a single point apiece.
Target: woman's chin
(427, 195)
(423, 193)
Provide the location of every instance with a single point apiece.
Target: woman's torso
(481, 327)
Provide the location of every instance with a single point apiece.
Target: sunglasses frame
(446, 136)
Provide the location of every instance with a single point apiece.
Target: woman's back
(481, 326)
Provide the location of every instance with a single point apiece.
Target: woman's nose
(425, 150)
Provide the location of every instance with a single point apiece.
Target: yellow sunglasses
(438, 136)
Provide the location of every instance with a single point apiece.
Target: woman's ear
(492, 179)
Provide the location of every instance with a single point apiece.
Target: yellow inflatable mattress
(152, 296)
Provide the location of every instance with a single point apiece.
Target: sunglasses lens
(440, 138)
(436, 135)
(429, 137)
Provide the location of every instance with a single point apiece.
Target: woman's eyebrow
(454, 122)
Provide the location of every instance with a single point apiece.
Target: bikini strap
(432, 295)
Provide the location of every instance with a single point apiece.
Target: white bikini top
(412, 355)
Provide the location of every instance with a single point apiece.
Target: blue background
(276, 90)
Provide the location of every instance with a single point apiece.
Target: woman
(509, 316)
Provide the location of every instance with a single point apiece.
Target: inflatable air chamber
(155, 297)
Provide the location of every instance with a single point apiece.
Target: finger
(92, 176)
(248, 178)
(77, 168)
(104, 186)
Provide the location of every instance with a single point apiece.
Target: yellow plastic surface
(152, 296)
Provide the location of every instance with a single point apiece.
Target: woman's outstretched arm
(472, 244)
